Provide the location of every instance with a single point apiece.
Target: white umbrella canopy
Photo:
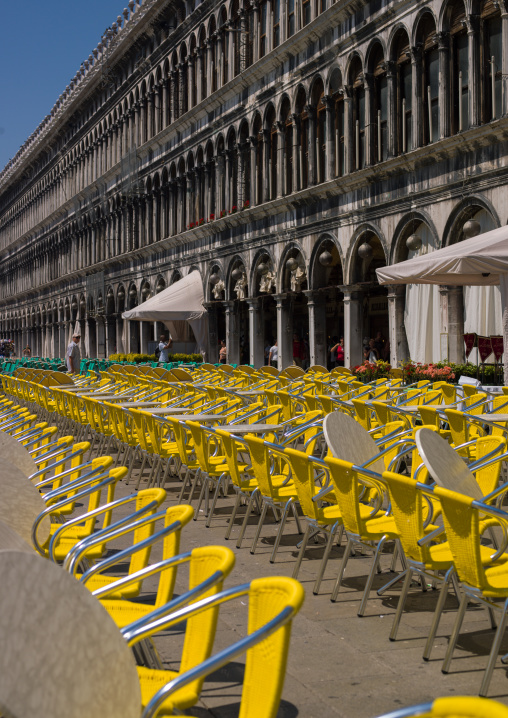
(481, 260)
(183, 300)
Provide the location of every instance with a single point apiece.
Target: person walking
(74, 355)
(164, 347)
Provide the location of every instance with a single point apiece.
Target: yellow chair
(482, 582)
(320, 519)
(272, 602)
(453, 707)
(208, 567)
(276, 489)
(375, 527)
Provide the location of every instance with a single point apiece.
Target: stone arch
(354, 267)
(407, 226)
(320, 275)
(465, 210)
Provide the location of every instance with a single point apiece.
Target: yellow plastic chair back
(458, 707)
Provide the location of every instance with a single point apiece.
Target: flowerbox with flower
(370, 371)
(233, 209)
(223, 213)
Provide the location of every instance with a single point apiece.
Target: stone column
(311, 147)
(243, 40)
(349, 131)
(267, 180)
(256, 339)
(452, 323)
(284, 330)
(111, 343)
(120, 326)
(101, 336)
(329, 140)
(190, 83)
(165, 103)
(232, 337)
(417, 99)
(281, 160)
(504, 40)
(213, 339)
(391, 76)
(317, 327)
(473, 36)
(444, 84)
(295, 119)
(173, 103)
(254, 199)
(353, 325)
(255, 32)
(370, 125)
(399, 349)
(199, 75)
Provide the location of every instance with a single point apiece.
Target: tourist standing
(273, 358)
(164, 347)
(223, 352)
(74, 355)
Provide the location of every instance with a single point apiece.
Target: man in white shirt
(273, 358)
(73, 355)
(164, 347)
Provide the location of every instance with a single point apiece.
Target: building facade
(283, 148)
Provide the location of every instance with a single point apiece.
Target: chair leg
(220, 483)
(455, 634)
(260, 525)
(370, 577)
(205, 484)
(326, 555)
(401, 604)
(342, 568)
(309, 532)
(233, 516)
(496, 645)
(437, 616)
(287, 507)
(186, 479)
(252, 499)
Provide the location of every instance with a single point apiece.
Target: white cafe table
(174, 410)
(251, 428)
(135, 404)
(203, 418)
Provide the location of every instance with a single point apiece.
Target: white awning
(183, 300)
(481, 260)
(476, 261)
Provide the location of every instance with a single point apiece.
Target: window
(276, 23)
(380, 109)
(491, 61)
(291, 18)
(429, 90)
(306, 12)
(263, 23)
(404, 96)
(459, 75)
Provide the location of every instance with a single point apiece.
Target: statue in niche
(266, 283)
(298, 277)
(241, 286)
(218, 289)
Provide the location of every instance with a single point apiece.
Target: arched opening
(369, 256)
(327, 278)
(379, 118)
(294, 283)
(491, 58)
(404, 93)
(426, 38)
(459, 65)
(337, 99)
(356, 82)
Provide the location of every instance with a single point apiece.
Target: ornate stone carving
(241, 287)
(219, 289)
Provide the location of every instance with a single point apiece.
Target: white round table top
(62, 655)
(21, 503)
(13, 452)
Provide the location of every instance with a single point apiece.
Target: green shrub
(140, 358)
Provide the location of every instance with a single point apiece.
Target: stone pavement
(339, 664)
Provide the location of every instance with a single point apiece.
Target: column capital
(443, 40)
(351, 292)
(416, 52)
(280, 298)
(314, 297)
(253, 303)
(395, 290)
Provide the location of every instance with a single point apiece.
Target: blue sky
(42, 45)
